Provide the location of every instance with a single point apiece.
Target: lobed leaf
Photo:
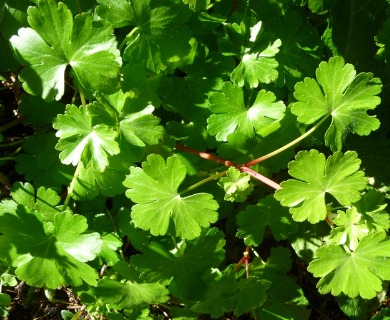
(316, 176)
(160, 34)
(49, 254)
(253, 221)
(230, 114)
(357, 273)
(159, 206)
(236, 185)
(181, 268)
(340, 93)
(55, 41)
(82, 140)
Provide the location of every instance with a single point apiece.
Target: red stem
(260, 177)
(207, 156)
(228, 163)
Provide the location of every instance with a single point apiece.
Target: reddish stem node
(228, 163)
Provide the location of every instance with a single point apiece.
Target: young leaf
(360, 272)
(56, 40)
(49, 254)
(341, 94)
(159, 207)
(82, 140)
(236, 185)
(372, 207)
(230, 113)
(315, 177)
(182, 268)
(350, 228)
(268, 212)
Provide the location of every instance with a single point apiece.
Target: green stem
(175, 244)
(277, 151)
(127, 37)
(72, 185)
(82, 97)
(12, 144)
(7, 158)
(114, 226)
(213, 177)
(12, 123)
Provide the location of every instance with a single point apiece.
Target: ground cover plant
(194, 159)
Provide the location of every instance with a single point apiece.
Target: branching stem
(226, 163)
(207, 156)
(195, 185)
(288, 145)
(127, 37)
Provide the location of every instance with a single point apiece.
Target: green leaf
(357, 273)
(308, 239)
(251, 294)
(253, 221)
(195, 82)
(372, 207)
(160, 35)
(197, 5)
(83, 140)
(55, 41)
(44, 201)
(216, 301)
(300, 51)
(224, 294)
(236, 185)
(90, 183)
(131, 294)
(341, 94)
(159, 206)
(181, 268)
(38, 112)
(41, 164)
(49, 254)
(355, 309)
(317, 6)
(285, 300)
(350, 228)
(117, 12)
(256, 53)
(137, 124)
(230, 114)
(315, 177)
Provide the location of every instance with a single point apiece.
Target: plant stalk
(195, 185)
(71, 186)
(288, 145)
